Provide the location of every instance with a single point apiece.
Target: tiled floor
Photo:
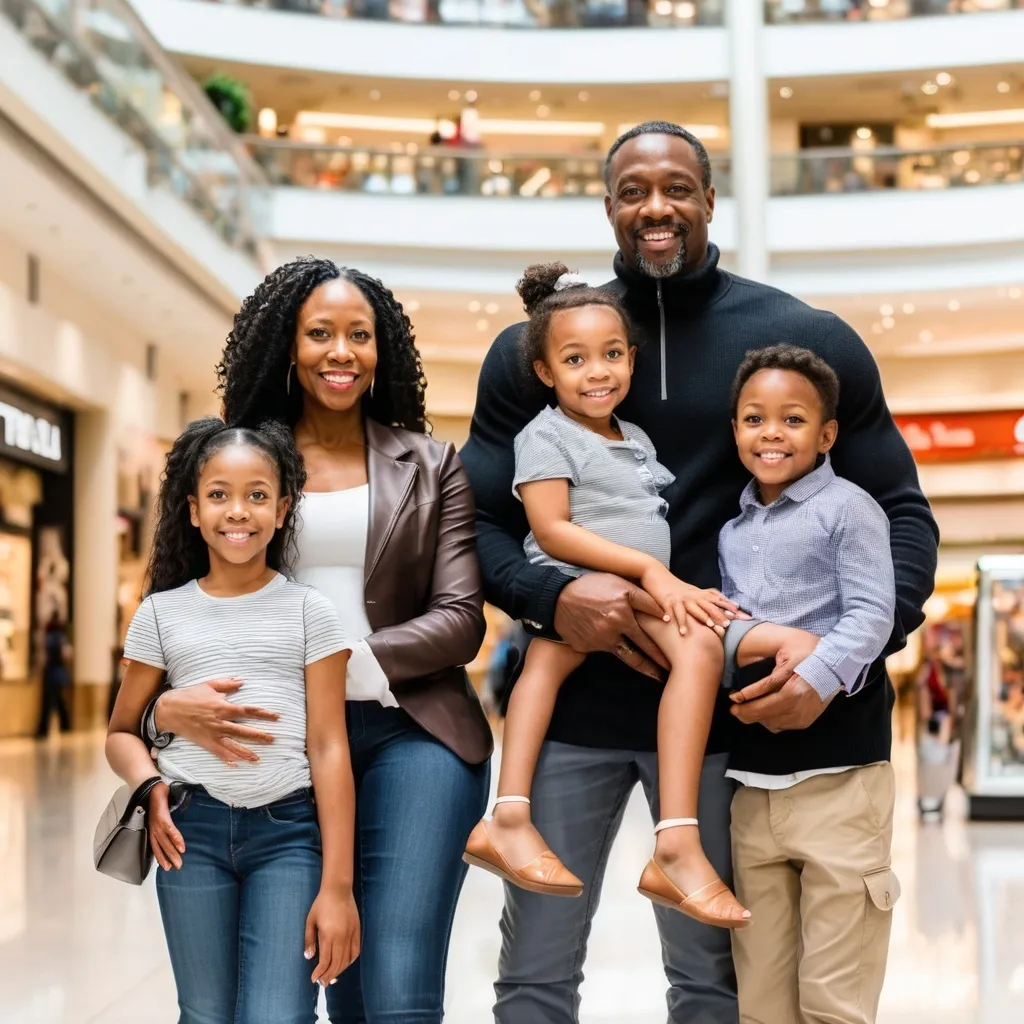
(77, 948)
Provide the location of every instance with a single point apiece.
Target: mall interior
(158, 157)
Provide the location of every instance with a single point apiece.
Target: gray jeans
(579, 797)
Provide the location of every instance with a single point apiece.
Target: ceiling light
(886, 310)
(474, 306)
(663, 8)
(427, 126)
(482, 325)
(926, 336)
(543, 110)
(972, 177)
(864, 133)
(1003, 87)
(412, 306)
(975, 118)
(929, 88)
(491, 308)
(375, 94)
(878, 4)
(962, 157)
(1014, 293)
(908, 308)
(471, 95)
(685, 10)
(943, 78)
(266, 121)
(535, 95)
(953, 305)
(454, 95)
(888, 323)
(786, 92)
(876, 327)
(584, 96)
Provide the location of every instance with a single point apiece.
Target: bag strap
(140, 798)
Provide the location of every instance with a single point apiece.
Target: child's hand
(333, 926)
(679, 600)
(164, 838)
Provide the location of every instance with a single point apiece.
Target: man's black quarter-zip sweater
(694, 331)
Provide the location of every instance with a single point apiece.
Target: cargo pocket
(883, 887)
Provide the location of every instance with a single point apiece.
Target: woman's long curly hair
(179, 553)
(255, 367)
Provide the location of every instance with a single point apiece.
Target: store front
(36, 539)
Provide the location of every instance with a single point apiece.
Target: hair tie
(570, 280)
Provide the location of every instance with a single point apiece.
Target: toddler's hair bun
(538, 283)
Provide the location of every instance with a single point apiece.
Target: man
(697, 322)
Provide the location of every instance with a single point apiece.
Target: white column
(748, 123)
(96, 555)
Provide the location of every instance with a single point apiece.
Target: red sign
(961, 436)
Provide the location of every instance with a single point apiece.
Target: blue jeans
(235, 914)
(416, 803)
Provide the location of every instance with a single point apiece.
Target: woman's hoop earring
(288, 379)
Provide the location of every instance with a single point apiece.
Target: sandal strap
(674, 823)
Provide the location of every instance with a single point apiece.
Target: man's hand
(793, 705)
(597, 613)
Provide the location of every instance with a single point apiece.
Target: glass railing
(411, 170)
(781, 12)
(847, 170)
(408, 170)
(513, 13)
(104, 50)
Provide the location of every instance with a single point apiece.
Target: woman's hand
(205, 716)
(165, 840)
(680, 600)
(332, 925)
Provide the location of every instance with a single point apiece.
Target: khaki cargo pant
(812, 865)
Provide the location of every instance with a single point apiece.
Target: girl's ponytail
(179, 553)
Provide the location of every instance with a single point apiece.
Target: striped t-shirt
(615, 486)
(265, 639)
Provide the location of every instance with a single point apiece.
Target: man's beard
(674, 265)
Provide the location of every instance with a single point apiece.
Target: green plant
(231, 97)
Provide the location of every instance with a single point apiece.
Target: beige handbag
(121, 847)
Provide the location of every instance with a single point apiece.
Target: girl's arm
(333, 922)
(547, 509)
(126, 752)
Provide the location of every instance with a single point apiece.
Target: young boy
(808, 557)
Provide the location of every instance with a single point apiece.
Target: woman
(56, 677)
(388, 535)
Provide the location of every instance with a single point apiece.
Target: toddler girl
(590, 484)
(245, 895)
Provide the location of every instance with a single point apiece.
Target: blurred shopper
(256, 878)
(698, 321)
(387, 534)
(56, 676)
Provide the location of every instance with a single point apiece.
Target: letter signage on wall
(32, 431)
(964, 436)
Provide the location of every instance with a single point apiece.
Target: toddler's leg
(508, 841)
(684, 720)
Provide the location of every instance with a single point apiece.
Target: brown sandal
(545, 874)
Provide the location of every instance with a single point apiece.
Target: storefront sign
(962, 436)
(33, 431)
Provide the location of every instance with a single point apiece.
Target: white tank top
(331, 541)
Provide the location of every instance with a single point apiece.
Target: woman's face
(335, 349)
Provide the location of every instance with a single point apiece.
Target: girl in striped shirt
(591, 487)
(257, 858)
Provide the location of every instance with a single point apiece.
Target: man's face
(658, 206)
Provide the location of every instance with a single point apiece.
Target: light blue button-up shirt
(818, 559)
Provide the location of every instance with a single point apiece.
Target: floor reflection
(78, 948)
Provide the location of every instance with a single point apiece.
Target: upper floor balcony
(454, 40)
